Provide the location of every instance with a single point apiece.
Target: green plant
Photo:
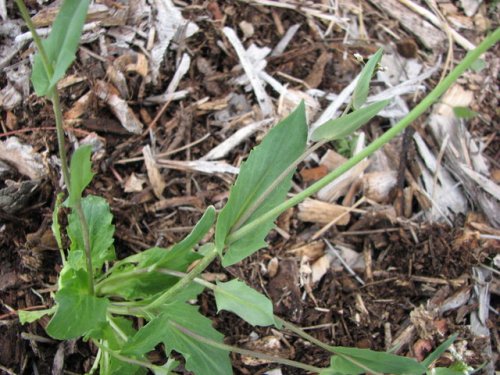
(99, 304)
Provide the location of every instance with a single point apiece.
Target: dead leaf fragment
(110, 95)
(313, 174)
(270, 345)
(134, 184)
(320, 268)
(154, 174)
(421, 348)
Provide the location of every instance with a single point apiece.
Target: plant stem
(430, 99)
(122, 358)
(56, 106)
(186, 280)
(53, 95)
(246, 352)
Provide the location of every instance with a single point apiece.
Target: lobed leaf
(247, 303)
(201, 358)
(177, 258)
(78, 313)
(279, 149)
(361, 90)
(60, 46)
(26, 316)
(80, 174)
(114, 340)
(341, 127)
(101, 231)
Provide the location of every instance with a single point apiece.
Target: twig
(344, 263)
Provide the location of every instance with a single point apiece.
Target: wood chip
(3, 10)
(430, 36)
(313, 250)
(378, 186)
(154, 174)
(209, 167)
(23, 157)
(263, 99)
(315, 211)
(110, 95)
(313, 174)
(134, 184)
(176, 202)
(316, 76)
(234, 140)
(79, 108)
(106, 16)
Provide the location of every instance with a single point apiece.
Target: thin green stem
(304, 335)
(56, 106)
(430, 99)
(36, 38)
(122, 358)
(186, 280)
(249, 353)
(53, 95)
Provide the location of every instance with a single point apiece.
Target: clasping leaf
(60, 47)
(279, 149)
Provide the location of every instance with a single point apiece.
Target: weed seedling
(100, 305)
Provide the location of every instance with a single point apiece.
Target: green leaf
(148, 283)
(341, 366)
(26, 316)
(200, 230)
(201, 358)
(76, 259)
(78, 313)
(113, 338)
(464, 112)
(439, 351)
(380, 361)
(101, 231)
(343, 126)
(60, 46)
(279, 149)
(361, 90)
(167, 368)
(80, 174)
(247, 303)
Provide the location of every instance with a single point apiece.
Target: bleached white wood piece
(263, 99)
(285, 40)
(169, 21)
(234, 140)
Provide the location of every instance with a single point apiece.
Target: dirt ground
(416, 275)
